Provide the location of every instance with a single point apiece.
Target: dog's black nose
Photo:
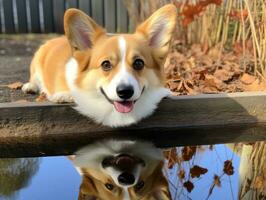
(126, 179)
(125, 91)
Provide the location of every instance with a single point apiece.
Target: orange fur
(86, 45)
(52, 57)
(156, 186)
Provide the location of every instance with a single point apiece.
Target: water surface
(56, 178)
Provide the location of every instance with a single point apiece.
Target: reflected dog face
(121, 170)
(118, 80)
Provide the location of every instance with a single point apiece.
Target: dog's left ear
(159, 28)
(81, 30)
(87, 189)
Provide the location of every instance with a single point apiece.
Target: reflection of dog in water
(121, 170)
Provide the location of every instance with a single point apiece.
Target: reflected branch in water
(16, 174)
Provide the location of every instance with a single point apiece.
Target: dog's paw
(30, 88)
(61, 97)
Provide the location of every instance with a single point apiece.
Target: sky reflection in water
(56, 178)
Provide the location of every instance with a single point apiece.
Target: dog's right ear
(80, 29)
(87, 190)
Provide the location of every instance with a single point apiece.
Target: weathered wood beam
(40, 129)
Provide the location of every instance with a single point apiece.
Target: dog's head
(121, 170)
(117, 80)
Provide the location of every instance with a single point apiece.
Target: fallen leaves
(181, 174)
(172, 157)
(260, 182)
(188, 152)
(190, 11)
(189, 186)
(15, 85)
(41, 98)
(194, 70)
(239, 15)
(216, 181)
(228, 167)
(247, 79)
(197, 171)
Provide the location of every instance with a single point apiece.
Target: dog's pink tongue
(124, 107)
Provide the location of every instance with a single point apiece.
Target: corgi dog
(115, 80)
(121, 170)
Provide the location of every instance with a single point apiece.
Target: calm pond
(55, 178)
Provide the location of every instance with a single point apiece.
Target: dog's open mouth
(120, 106)
(123, 106)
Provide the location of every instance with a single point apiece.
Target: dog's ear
(159, 28)
(80, 29)
(87, 189)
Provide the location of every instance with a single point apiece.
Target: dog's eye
(109, 186)
(139, 185)
(106, 65)
(138, 64)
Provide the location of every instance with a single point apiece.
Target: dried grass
(218, 22)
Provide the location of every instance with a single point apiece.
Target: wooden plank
(8, 16)
(48, 16)
(85, 5)
(121, 17)
(110, 15)
(97, 9)
(58, 12)
(40, 129)
(35, 16)
(22, 16)
(71, 4)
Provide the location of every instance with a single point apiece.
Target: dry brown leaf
(214, 53)
(41, 97)
(188, 152)
(216, 181)
(15, 85)
(171, 156)
(189, 186)
(228, 167)
(21, 101)
(181, 174)
(260, 182)
(223, 75)
(247, 79)
(255, 86)
(212, 84)
(196, 171)
(188, 89)
(212, 81)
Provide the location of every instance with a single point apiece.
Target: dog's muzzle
(122, 162)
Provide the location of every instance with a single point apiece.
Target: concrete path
(15, 56)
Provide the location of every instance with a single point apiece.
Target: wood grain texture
(41, 129)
